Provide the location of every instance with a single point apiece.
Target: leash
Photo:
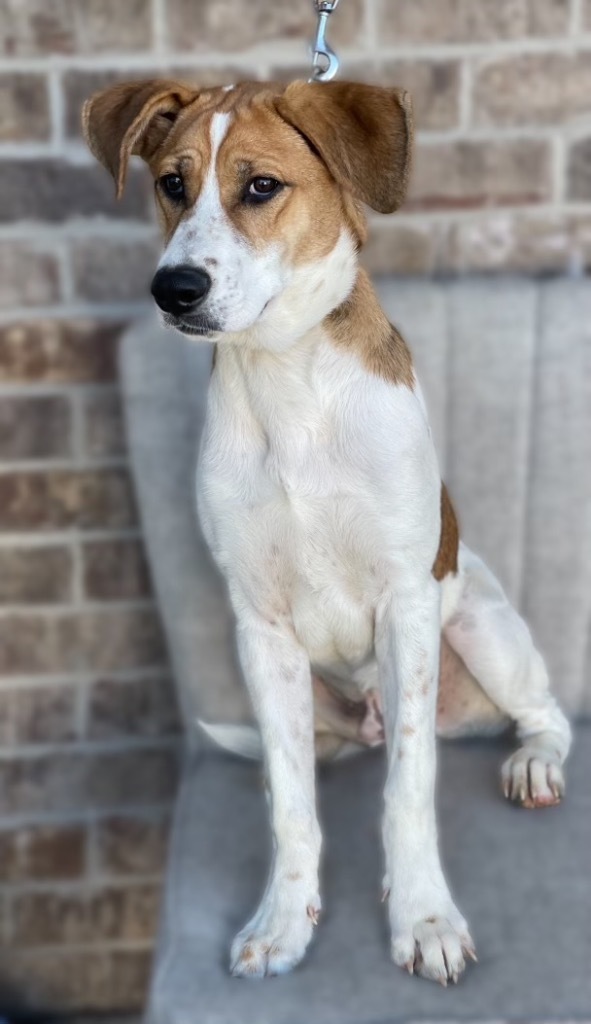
(325, 62)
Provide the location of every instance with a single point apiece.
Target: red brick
(141, 707)
(42, 853)
(85, 915)
(471, 173)
(132, 845)
(115, 569)
(31, 28)
(61, 499)
(469, 21)
(53, 190)
(45, 714)
(28, 276)
(108, 271)
(59, 351)
(544, 88)
(208, 25)
(24, 107)
(104, 424)
(97, 641)
(35, 428)
(76, 980)
(39, 575)
(68, 782)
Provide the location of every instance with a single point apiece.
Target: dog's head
(259, 189)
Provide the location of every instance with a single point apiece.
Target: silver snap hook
(324, 60)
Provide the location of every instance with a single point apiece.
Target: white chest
(306, 469)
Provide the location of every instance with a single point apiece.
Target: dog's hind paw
(275, 940)
(533, 777)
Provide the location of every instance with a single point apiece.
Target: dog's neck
(355, 325)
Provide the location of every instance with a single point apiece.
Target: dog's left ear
(133, 117)
(363, 133)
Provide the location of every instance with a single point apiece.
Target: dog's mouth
(193, 326)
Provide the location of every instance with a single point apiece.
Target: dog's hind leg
(496, 646)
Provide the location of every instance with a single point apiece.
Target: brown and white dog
(318, 486)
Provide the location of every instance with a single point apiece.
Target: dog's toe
(533, 778)
(435, 949)
(274, 941)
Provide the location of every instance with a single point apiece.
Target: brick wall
(88, 727)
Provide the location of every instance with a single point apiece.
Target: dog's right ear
(132, 118)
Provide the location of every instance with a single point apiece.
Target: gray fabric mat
(522, 878)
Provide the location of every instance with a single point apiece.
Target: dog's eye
(259, 189)
(172, 186)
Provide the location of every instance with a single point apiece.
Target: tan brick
(54, 190)
(28, 276)
(544, 88)
(472, 173)
(522, 243)
(59, 351)
(88, 499)
(108, 271)
(104, 425)
(115, 569)
(222, 25)
(132, 845)
(46, 714)
(587, 14)
(579, 170)
(39, 575)
(42, 853)
(31, 27)
(24, 107)
(142, 707)
(68, 782)
(83, 915)
(97, 641)
(399, 249)
(469, 21)
(434, 86)
(35, 428)
(76, 980)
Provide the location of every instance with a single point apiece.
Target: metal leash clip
(324, 60)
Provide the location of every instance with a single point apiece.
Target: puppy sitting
(318, 486)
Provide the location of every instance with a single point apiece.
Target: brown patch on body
(360, 325)
(449, 539)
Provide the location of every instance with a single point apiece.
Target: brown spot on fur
(425, 689)
(361, 326)
(408, 730)
(431, 920)
(449, 539)
(294, 876)
(247, 954)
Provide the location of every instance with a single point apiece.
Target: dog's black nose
(179, 290)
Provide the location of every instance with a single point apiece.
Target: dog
(319, 491)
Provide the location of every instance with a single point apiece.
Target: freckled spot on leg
(425, 689)
(431, 920)
(400, 754)
(247, 954)
(294, 876)
(408, 730)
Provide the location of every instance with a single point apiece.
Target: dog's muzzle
(179, 290)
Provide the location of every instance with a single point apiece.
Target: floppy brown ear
(133, 117)
(363, 133)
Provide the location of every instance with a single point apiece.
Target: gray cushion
(522, 878)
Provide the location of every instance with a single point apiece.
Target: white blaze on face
(243, 279)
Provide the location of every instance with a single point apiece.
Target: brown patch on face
(361, 326)
(449, 539)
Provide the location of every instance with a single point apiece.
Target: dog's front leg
(429, 935)
(278, 677)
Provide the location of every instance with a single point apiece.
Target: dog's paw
(435, 947)
(533, 776)
(276, 938)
